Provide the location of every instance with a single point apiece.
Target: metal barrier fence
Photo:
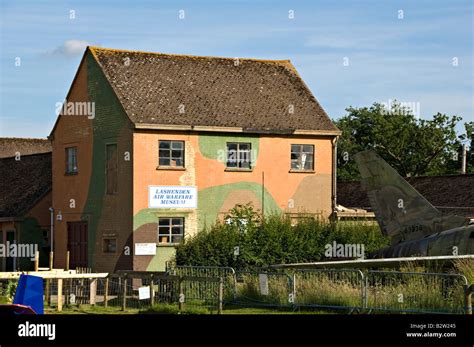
(324, 288)
(264, 289)
(224, 272)
(125, 291)
(210, 287)
(415, 292)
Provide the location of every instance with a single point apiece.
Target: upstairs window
(239, 155)
(71, 160)
(170, 230)
(171, 154)
(302, 157)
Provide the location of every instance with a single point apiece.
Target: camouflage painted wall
(107, 215)
(219, 189)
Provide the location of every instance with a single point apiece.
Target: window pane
(232, 146)
(294, 164)
(232, 158)
(295, 148)
(164, 153)
(177, 221)
(308, 148)
(109, 246)
(164, 144)
(176, 238)
(244, 146)
(308, 165)
(176, 230)
(176, 145)
(164, 161)
(176, 153)
(164, 221)
(178, 162)
(71, 159)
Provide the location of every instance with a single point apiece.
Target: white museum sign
(172, 197)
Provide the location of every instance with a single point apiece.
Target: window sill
(229, 169)
(71, 173)
(171, 168)
(167, 244)
(301, 171)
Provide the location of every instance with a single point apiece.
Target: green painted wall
(163, 254)
(214, 146)
(210, 200)
(109, 121)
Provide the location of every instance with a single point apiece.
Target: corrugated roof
(256, 95)
(23, 182)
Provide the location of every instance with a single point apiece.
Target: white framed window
(239, 155)
(170, 230)
(171, 153)
(302, 157)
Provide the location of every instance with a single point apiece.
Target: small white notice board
(145, 249)
(143, 293)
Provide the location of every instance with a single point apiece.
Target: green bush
(275, 239)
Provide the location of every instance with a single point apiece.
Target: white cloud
(71, 48)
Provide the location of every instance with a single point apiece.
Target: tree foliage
(413, 146)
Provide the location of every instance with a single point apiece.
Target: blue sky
(409, 59)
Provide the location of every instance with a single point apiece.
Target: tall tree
(413, 146)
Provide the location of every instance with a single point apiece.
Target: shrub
(274, 239)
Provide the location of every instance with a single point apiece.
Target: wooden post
(106, 291)
(60, 294)
(47, 292)
(67, 261)
(124, 293)
(181, 295)
(152, 291)
(37, 255)
(220, 295)
(92, 291)
(51, 260)
(468, 298)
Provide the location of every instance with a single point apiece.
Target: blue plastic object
(29, 292)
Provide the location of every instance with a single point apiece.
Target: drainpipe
(334, 176)
(51, 211)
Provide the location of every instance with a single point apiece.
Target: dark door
(77, 244)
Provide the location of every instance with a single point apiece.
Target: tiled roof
(23, 182)
(256, 95)
(451, 194)
(9, 146)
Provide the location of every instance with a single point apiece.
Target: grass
(466, 268)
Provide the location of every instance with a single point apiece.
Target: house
(451, 194)
(150, 148)
(25, 199)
